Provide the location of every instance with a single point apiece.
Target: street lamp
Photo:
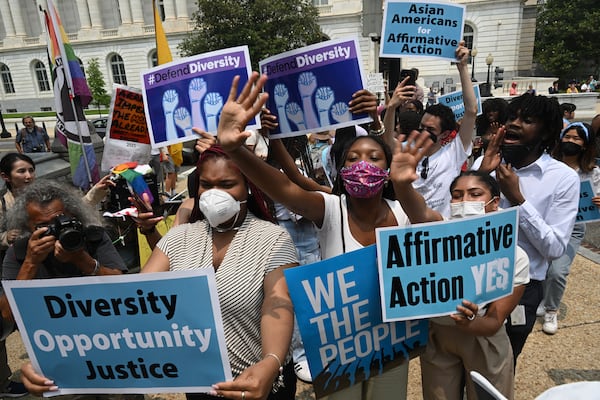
(473, 55)
(489, 60)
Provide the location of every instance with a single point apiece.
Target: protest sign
(588, 211)
(191, 92)
(141, 333)
(375, 82)
(127, 136)
(454, 100)
(337, 306)
(427, 270)
(310, 88)
(416, 29)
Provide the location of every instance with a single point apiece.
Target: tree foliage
(566, 34)
(268, 27)
(96, 83)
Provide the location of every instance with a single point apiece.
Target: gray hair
(43, 192)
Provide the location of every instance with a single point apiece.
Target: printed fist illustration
(170, 101)
(183, 120)
(281, 95)
(295, 114)
(341, 112)
(197, 89)
(307, 84)
(213, 103)
(324, 98)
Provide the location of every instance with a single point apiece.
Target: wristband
(96, 267)
(377, 132)
(279, 382)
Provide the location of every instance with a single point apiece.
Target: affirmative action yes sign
(426, 270)
(142, 333)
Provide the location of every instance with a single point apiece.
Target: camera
(68, 231)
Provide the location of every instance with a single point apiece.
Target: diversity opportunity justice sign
(588, 211)
(337, 306)
(426, 270)
(191, 93)
(126, 132)
(310, 88)
(140, 333)
(416, 29)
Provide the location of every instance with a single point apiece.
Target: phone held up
(412, 80)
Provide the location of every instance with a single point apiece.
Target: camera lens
(71, 239)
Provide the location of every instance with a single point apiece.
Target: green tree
(565, 42)
(268, 27)
(96, 83)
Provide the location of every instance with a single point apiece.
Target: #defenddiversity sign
(337, 306)
(426, 270)
(141, 333)
(416, 29)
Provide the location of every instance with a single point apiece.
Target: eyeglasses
(425, 168)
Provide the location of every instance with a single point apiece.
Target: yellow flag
(162, 46)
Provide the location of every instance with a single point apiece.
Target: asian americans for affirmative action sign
(426, 270)
(421, 29)
(310, 88)
(142, 333)
(191, 92)
(337, 306)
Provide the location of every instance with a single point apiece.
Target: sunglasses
(425, 168)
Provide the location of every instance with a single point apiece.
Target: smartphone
(412, 80)
(141, 202)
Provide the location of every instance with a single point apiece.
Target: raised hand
(307, 84)
(295, 114)
(341, 112)
(363, 101)
(324, 98)
(406, 157)
(170, 101)
(402, 94)
(213, 103)
(183, 120)
(281, 98)
(492, 157)
(239, 110)
(204, 141)
(197, 89)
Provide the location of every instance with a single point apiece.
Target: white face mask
(219, 207)
(467, 208)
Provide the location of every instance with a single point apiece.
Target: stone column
(7, 20)
(182, 11)
(84, 14)
(136, 11)
(169, 6)
(17, 18)
(95, 13)
(125, 11)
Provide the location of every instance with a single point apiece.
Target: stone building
(120, 34)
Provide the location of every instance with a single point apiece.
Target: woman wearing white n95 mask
(474, 339)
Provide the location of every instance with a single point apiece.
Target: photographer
(64, 239)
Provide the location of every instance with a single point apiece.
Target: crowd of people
(253, 213)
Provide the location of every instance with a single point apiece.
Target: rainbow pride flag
(71, 95)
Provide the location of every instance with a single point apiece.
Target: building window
(117, 67)
(320, 2)
(42, 76)
(7, 82)
(468, 36)
(153, 58)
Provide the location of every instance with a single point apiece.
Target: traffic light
(498, 77)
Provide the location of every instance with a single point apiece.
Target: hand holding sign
(239, 110)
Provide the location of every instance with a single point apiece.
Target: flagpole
(69, 84)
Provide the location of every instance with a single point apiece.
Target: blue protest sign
(454, 100)
(588, 211)
(426, 270)
(191, 93)
(337, 306)
(142, 333)
(421, 29)
(310, 88)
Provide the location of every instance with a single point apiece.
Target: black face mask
(513, 154)
(570, 148)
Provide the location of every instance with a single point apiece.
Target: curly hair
(545, 110)
(43, 192)
(445, 114)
